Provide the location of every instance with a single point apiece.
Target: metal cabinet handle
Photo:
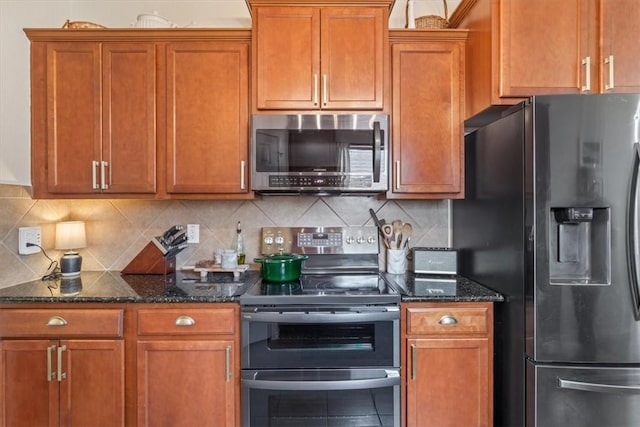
(103, 175)
(185, 321)
(228, 362)
(50, 375)
(56, 321)
(94, 178)
(242, 168)
(315, 89)
(61, 375)
(325, 93)
(609, 60)
(587, 74)
(413, 361)
(397, 174)
(448, 320)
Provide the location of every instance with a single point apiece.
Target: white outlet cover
(29, 235)
(193, 233)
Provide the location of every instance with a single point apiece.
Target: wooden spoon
(407, 231)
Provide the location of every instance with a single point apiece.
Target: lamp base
(70, 264)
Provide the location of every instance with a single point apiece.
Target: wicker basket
(434, 21)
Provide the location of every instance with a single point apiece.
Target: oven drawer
(187, 321)
(448, 319)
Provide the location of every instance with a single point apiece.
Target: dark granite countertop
(112, 287)
(441, 288)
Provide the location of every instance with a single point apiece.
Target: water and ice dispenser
(580, 246)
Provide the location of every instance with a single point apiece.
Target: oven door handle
(320, 317)
(388, 378)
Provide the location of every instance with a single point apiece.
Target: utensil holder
(396, 261)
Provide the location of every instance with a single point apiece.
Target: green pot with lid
(280, 268)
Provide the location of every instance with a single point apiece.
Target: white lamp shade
(70, 235)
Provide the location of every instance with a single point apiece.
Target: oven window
(283, 408)
(340, 336)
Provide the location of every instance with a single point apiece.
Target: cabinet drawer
(187, 321)
(61, 323)
(448, 320)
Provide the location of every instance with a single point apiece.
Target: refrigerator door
(581, 306)
(584, 396)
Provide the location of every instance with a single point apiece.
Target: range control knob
(349, 240)
(371, 240)
(360, 240)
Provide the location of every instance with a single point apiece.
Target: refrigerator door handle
(633, 237)
(598, 387)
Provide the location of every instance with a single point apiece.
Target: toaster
(435, 260)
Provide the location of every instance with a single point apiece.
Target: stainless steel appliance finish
(323, 350)
(319, 153)
(559, 239)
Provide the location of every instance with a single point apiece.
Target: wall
(118, 229)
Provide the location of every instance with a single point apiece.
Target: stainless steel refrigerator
(551, 220)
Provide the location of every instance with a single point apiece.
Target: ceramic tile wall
(117, 230)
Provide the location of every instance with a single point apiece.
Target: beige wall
(118, 229)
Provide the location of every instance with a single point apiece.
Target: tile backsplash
(117, 230)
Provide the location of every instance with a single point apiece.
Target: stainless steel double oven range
(323, 350)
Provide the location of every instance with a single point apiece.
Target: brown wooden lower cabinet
(58, 369)
(447, 364)
(187, 366)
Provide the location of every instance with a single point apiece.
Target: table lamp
(70, 235)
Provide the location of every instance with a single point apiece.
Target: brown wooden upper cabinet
(518, 49)
(93, 113)
(310, 57)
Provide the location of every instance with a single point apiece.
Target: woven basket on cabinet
(434, 21)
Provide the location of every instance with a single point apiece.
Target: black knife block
(151, 260)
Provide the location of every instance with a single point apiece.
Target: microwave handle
(377, 151)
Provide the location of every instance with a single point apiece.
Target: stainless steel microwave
(320, 154)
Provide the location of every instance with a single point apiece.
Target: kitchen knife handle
(61, 375)
(103, 175)
(587, 74)
(185, 321)
(242, 173)
(94, 175)
(609, 60)
(50, 375)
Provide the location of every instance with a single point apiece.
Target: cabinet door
(352, 57)
(28, 397)
(287, 57)
(92, 388)
(207, 117)
(186, 383)
(129, 120)
(542, 46)
(448, 382)
(73, 116)
(427, 120)
(620, 21)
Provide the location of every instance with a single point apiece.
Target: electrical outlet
(29, 235)
(193, 233)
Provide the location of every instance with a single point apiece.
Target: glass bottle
(240, 244)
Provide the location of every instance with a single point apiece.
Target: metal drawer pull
(185, 321)
(587, 74)
(413, 361)
(228, 362)
(447, 319)
(56, 321)
(61, 375)
(50, 375)
(609, 60)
